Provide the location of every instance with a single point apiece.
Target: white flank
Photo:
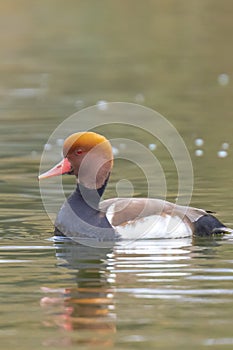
(154, 226)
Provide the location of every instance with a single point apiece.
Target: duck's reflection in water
(84, 310)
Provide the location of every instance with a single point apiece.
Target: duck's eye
(78, 152)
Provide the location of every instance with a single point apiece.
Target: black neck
(91, 196)
(80, 215)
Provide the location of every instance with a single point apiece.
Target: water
(167, 294)
(57, 59)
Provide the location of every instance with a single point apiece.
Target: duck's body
(84, 215)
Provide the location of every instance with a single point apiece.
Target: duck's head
(88, 156)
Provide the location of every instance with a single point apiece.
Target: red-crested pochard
(88, 156)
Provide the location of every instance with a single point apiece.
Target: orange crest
(87, 141)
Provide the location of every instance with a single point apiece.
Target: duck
(89, 157)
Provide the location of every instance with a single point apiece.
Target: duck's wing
(123, 210)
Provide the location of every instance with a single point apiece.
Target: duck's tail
(222, 230)
(208, 225)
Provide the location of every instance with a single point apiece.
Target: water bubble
(222, 154)
(102, 105)
(223, 79)
(47, 147)
(152, 146)
(79, 104)
(199, 152)
(199, 142)
(59, 142)
(115, 151)
(122, 146)
(225, 145)
(139, 98)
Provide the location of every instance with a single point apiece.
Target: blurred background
(58, 57)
